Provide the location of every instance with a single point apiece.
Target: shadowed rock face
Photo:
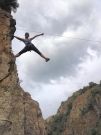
(19, 114)
(79, 115)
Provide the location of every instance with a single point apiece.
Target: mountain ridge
(79, 115)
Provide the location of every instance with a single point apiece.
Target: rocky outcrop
(19, 114)
(79, 115)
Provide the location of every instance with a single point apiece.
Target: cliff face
(19, 114)
(79, 115)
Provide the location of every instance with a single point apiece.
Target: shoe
(47, 59)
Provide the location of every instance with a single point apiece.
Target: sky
(72, 41)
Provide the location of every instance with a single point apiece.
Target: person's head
(26, 35)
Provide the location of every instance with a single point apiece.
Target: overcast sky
(74, 62)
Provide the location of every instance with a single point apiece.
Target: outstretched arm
(37, 36)
(21, 39)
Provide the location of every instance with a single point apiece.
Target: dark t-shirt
(27, 42)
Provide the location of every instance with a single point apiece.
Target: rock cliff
(19, 114)
(79, 115)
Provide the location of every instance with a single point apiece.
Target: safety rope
(57, 35)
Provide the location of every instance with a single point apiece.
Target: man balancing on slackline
(30, 46)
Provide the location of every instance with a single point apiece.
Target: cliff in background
(19, 114)
(79, 115)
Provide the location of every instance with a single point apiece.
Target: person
(29, 46)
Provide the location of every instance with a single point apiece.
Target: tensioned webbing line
(57, 35)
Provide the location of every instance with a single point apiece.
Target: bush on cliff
(9, 5)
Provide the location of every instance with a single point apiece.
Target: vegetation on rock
(9, 5)
(80, 114)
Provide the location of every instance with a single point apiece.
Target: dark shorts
(29, 48)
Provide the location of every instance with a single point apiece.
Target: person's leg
(38, 52)
(25, 49)
(17, 55)
(46, 59)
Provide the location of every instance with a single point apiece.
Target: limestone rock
(19, 114)
(79, 115)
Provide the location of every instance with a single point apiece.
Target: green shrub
(9, 5)
(93, 132)
(69, 108)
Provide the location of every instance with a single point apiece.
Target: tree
(9, 5)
